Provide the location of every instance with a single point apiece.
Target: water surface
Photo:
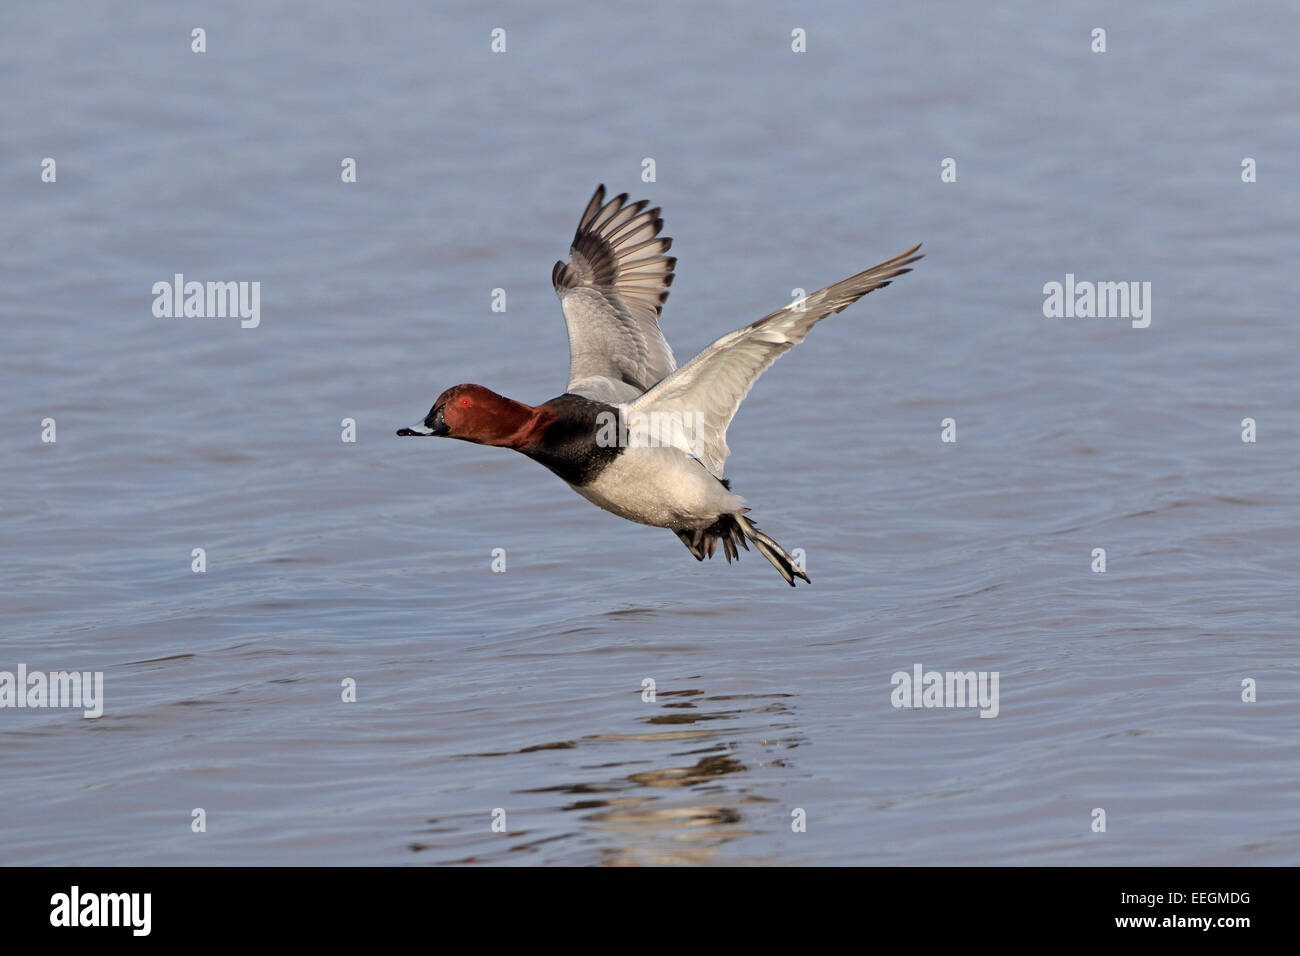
(523, 690)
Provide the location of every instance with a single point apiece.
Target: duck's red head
(477, 414)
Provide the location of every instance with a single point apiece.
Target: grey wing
(706, 391)
(612, 290)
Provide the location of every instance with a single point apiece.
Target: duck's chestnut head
(473, 413)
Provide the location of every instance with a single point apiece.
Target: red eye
(465, 402)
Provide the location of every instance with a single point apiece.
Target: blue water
(522, 691)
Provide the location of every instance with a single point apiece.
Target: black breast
(568, 445)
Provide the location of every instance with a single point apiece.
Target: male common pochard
(632, 433)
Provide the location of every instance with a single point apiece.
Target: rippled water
(523, 691)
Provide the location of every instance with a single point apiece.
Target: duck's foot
(732, 530)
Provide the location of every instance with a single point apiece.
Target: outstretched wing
(707, 390)
(612, 290)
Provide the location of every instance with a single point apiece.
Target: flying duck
(633, 433)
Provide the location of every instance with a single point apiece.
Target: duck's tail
(732, 530)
